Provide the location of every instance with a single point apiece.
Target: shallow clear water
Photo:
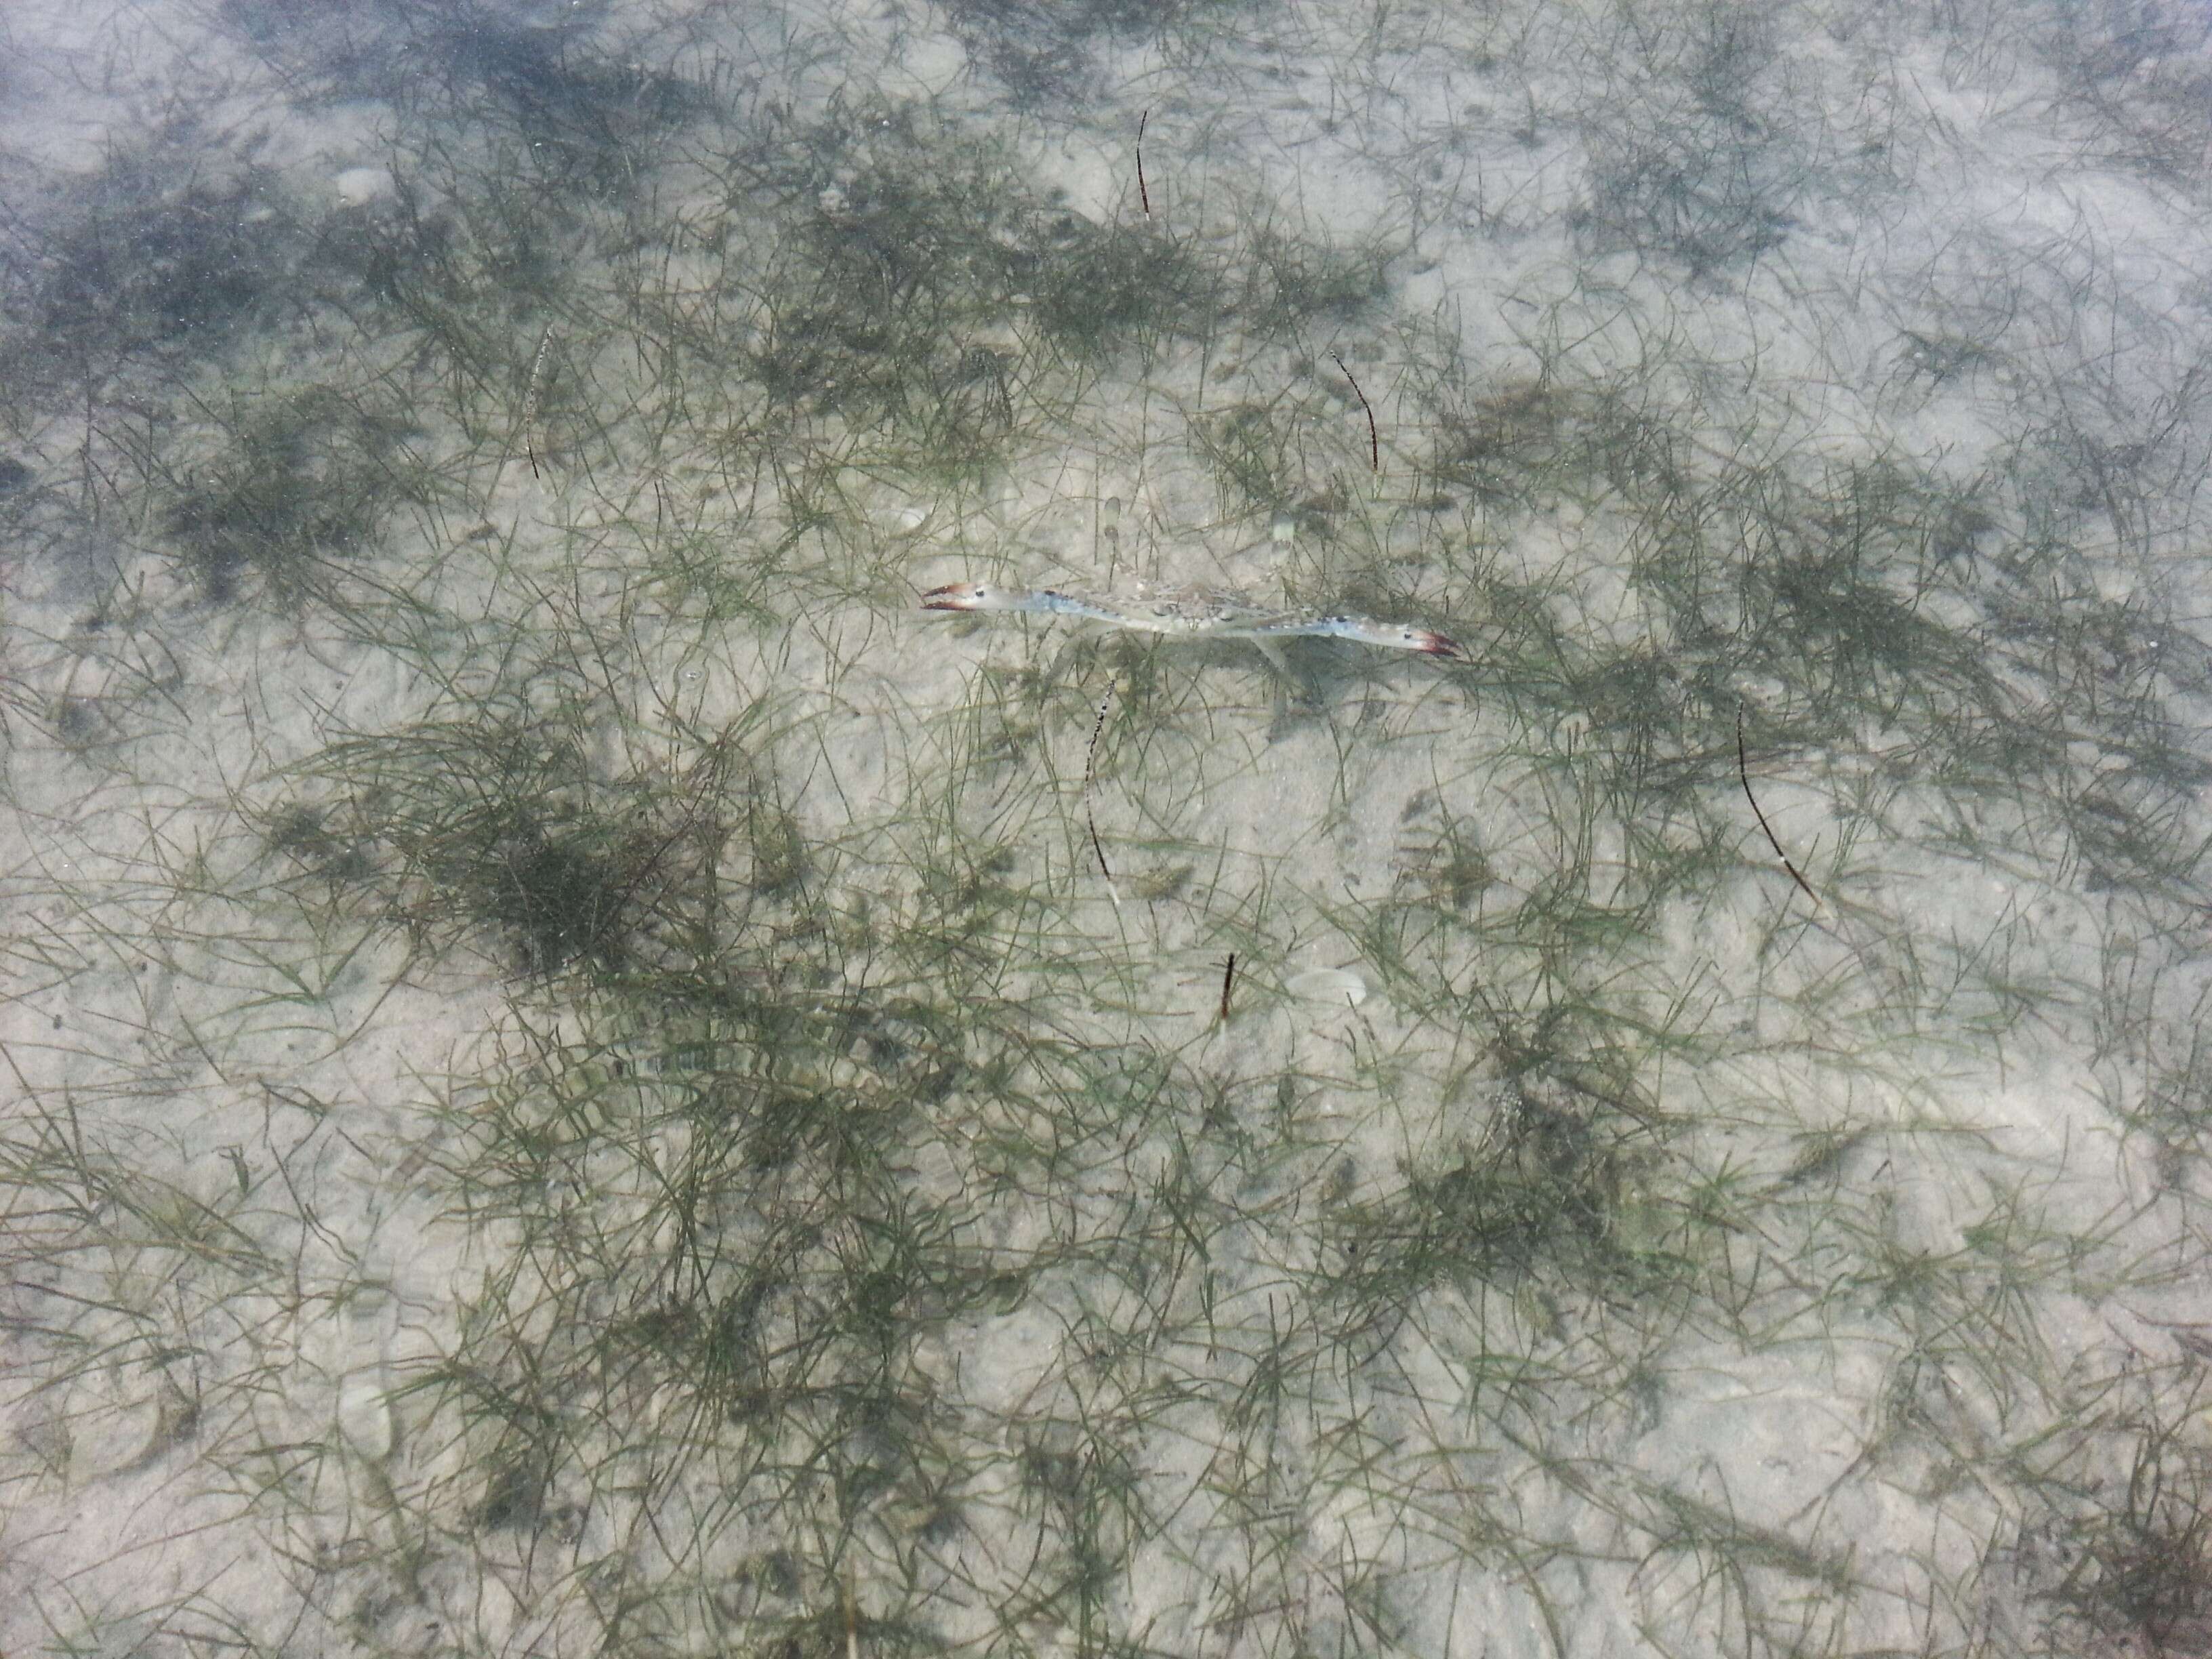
(583, 1075)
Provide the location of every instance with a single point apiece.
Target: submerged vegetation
(575, 1077)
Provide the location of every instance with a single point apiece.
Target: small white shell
(357, 185)
(1337, 985)
(365, 1417)
(908, 519)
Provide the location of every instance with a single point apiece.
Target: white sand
(1893, 1408)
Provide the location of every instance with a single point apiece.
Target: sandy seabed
(582, 1076)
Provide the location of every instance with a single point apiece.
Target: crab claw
(1435, 644)
(953, 595)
